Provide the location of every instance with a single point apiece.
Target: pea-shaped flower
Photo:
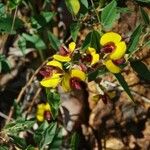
(73, 80)
(65, 54)
(90, 56)
(113, 45)
(43, 112)
(52, 72)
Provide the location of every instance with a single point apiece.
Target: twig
(4, 116)
(33, 100)
(24, 89)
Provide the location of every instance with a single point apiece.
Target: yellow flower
(73, 79)
(64, 53)
(111, 66)
(43, 112)
(94, 56)
(112, 43)
(52, 75)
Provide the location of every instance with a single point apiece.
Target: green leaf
(74, 29)
(39, 133)
(54, 41)
(5, 66)
(36, 40)
(144, 1)
(134, 40)
(141, 69)
(14, 127)
(57, 141)
(145, 16)
(14, 3)
(124, 85)
(147, 44)
(109, 15)
(22, 44)
(6, 24)
(85, 3)
(49, 135)
(48, 16)
(54, 101)
(73, 6)
(2, 147)
(92, 40)
(75, 141)
(2, 10)
(20, 142)
(30, 147)
(96, 73)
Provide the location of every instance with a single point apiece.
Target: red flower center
(47, 115)
(46, 71)
(108, 48)
(87, 58)
(64, 51)
(75, 83)
(119, 61)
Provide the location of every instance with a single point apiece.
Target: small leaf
(20, 142)
(73, 6)
(54, 41)
(85, 3)
(96, 73)
(48, 15)
(144, 1)
(124, 85)
(74, 28)
(30, 147)
(92, 40)
(75, 141)
(2, 147)
(141, 69)
(49, 134)
(134, 40)
(145, 16)
(109, 15)
(5, 66)
(54, 101)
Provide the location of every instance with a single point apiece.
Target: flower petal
(78, 73)
(95, 58)
(40, 118)
(111, 66)
(110, 37)
(119, 51)
(61, 58)
(47, 107)
(51, 82)
(66, 82)
(72, 46)
(55, 63)
(91, 50)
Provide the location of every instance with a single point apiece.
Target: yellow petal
(110, 37)
(47, 107)
(66, 82)
(62, 58)
(78, 73)
(119, 51)
(72, 46)
(95, 58)
(40, 118)
(91, 50)
(51, 82)
(111, 66)
(55, 63)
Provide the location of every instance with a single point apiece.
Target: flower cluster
(71, 77)
(70, 72)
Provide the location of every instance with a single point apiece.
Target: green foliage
(74, 141)
(144, 1)
(14, 3)
(109, 15)
(92, 40)
(54, 41)
(47, 134)
(54, 101)
(74, 29)
(3, 147)
(141, 69)
(124, 85)
(4, 64)
(134, 41)
(73, 6)
(145, 16)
